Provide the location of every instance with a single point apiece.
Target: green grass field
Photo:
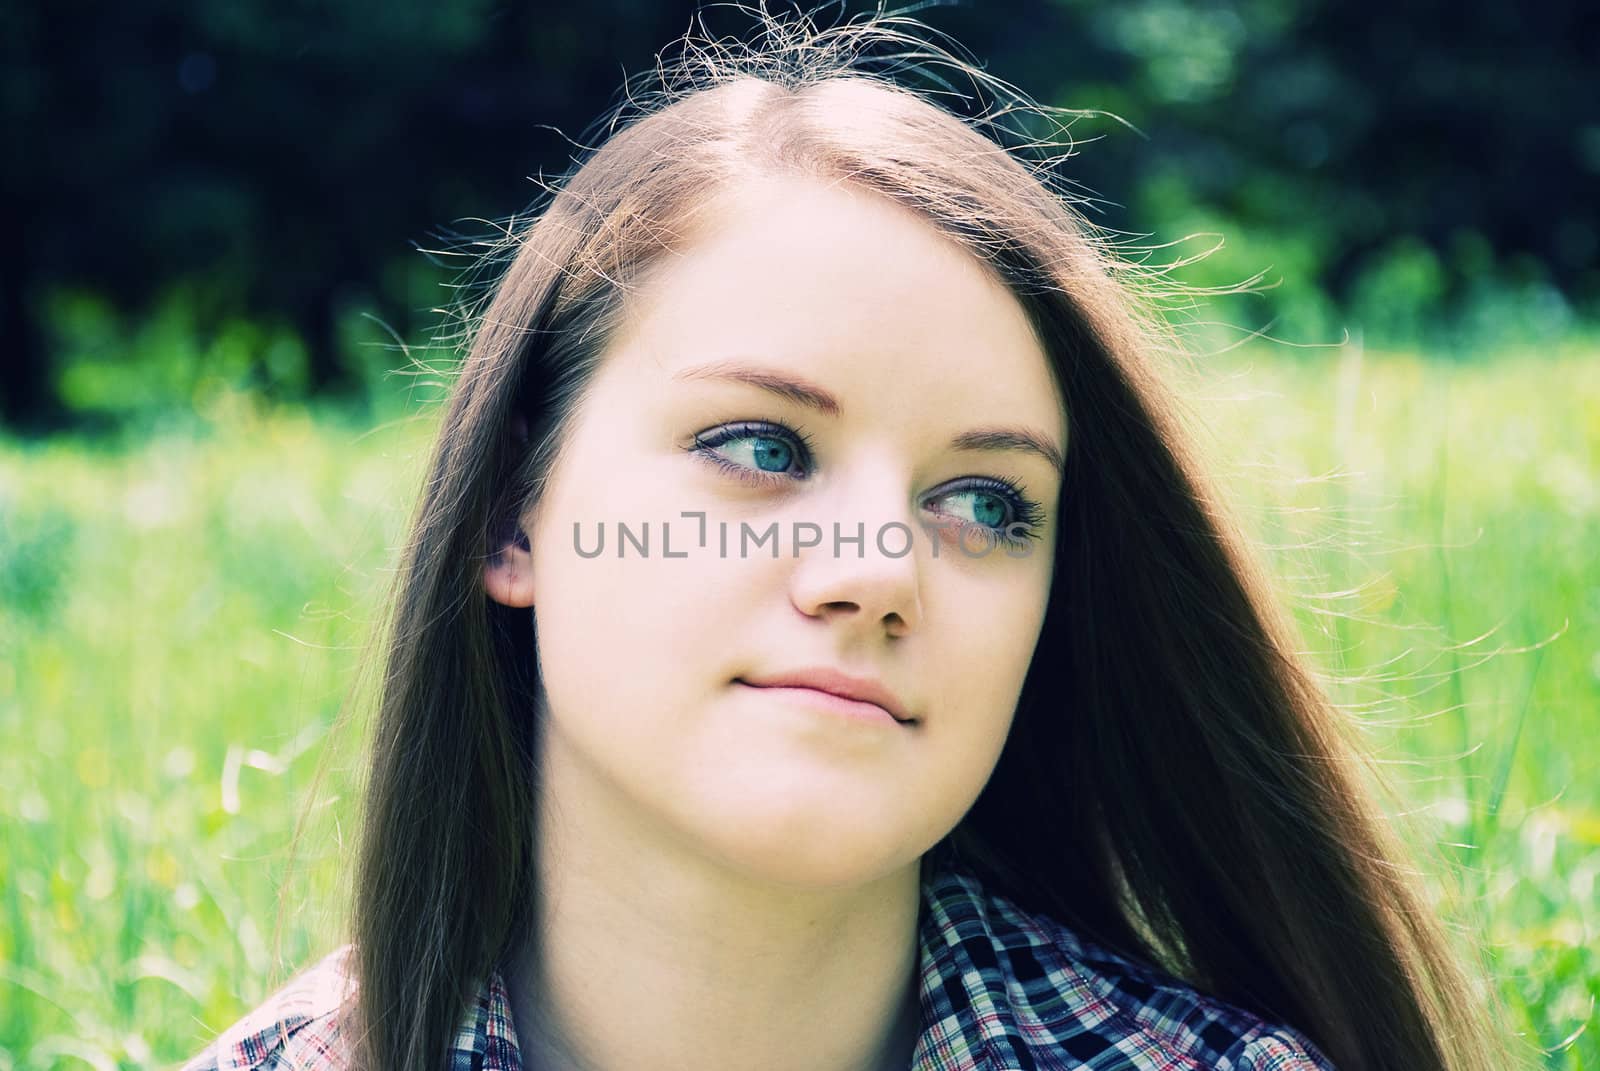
(181, 615)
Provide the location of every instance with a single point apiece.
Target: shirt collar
(968, 1019)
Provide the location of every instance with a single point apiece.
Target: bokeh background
(231, 227)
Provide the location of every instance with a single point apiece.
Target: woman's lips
(837, 683)
(827, 701)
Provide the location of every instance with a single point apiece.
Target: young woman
(817, 649)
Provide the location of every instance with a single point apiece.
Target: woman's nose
(864, 564)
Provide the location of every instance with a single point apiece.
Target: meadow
(183, 609)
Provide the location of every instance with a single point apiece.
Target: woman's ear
(508, 569)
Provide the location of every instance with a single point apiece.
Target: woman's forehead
(849, 289)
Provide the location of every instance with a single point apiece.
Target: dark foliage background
(234, 192)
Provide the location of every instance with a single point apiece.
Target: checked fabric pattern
(1000, 990)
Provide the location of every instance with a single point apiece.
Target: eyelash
(1024, 509)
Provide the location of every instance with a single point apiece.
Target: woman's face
(644, 658)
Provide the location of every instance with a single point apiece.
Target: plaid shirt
(1001, 990)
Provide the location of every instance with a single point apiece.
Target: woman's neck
(650, 956)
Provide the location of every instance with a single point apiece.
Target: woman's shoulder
(298, 1026)
(1036, 984)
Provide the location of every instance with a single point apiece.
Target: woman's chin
(811, 855)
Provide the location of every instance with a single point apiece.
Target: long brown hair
(1191, 796)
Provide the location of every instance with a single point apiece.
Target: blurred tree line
(205, 193)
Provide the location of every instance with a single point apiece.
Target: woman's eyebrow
(782, 384)
(795, 389)
(1011, 439)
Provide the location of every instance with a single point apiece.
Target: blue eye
(770, 448)
(767, 450)
(998, 506)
